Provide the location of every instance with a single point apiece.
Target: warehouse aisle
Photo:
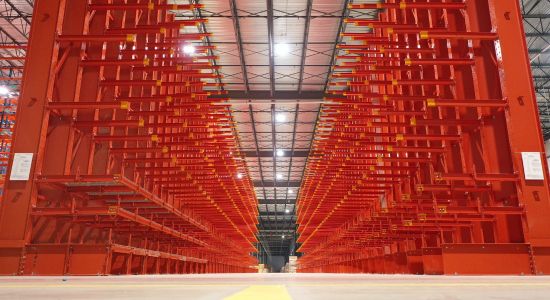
(276, 286)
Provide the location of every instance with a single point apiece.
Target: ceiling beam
(288, 230)
(277, 95)
(258, 82)
(270, 154)
(269, 183)
(277, 201)
(278, 233)
(305, 42)
(278, 242)
(255, 16)
(202, 28)
(265, 66)
(266, 43)
(21, 14)
(537, 34)
(537, 51)
(278, 214)
(271, 229)
(341, 28)
(536, 16)
(271, 40)
(238, 38)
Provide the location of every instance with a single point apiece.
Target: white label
(21, 167)
(532, 166)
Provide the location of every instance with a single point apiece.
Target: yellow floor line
(264, 292)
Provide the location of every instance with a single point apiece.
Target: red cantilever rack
(417, 162)
(135, 166)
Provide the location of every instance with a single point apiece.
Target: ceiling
(536, 20)
(15, 23)
(276, 58)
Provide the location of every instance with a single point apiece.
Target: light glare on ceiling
(4, 90)
(282, 49)
(280, 117)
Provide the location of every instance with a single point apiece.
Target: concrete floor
(277, 286)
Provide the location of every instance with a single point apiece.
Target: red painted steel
(417, 165)
(135, 167)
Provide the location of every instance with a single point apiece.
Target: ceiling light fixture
(240, 176)
(280, 153)
(4, 91)
(283, 236)
(291, 191)
(279, 176)
(282, 49)
(189, 49)
(287, 211)
(280, 117)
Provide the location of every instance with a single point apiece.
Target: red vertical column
(523, 125)
(29, 134)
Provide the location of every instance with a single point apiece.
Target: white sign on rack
(532, 165)
(21, 167)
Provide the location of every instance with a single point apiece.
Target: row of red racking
(12, 57)
(8, 106)
(428, 158)
(122, 162)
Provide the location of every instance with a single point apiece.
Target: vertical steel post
(29, 133)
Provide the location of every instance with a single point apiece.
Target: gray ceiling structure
(15, 23)
(267, 83)
(536, 20)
